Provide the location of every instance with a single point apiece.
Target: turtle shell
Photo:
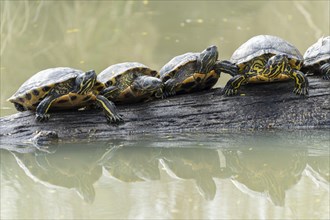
(35, 88)
(175, 64)
(114, 73)
(318, 52)
(264, 44)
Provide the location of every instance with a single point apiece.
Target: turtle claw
(326, 77)
(168, 93)
(295, 91)
(301, 91)
(165, 95)
(229, 92)
(42, 118)
(115, 119)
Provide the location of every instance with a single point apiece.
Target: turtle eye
(109, 83)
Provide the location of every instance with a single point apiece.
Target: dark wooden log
(260, 106)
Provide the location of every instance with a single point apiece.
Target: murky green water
(36, 35)
(221, 176)
(258, 176)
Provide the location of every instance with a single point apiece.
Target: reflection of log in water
(254, 168)
(264, 106)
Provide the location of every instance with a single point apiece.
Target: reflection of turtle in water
(141, 164)
(266, 58)
(317, 58)
(130, 164)
(261, 171)
(61, 88)
(202, 165)
(67, 169)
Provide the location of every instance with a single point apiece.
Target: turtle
(267, 58)
(130, 82)
(62, 88)
(317, 58)
(191, 72)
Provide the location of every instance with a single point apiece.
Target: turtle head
(207, 59)
(85, 82)
(148, 85)
(277, 64)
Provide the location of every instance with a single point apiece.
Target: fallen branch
(264, 106)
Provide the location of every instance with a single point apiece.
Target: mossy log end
(260, 106)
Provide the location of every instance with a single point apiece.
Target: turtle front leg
(43, 107)
(325, 71)
(110, 109)
(109, 92)
(234, 84)
(169, 88)
(301, 82)
(191, 83)
(226, 67)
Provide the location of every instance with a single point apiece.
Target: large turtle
(266, 58)
(317, 58)
(130, 82)
(61, 88)
(193, 71)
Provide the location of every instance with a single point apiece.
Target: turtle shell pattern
(318, 52)
(168, 71)
(123, 74)
(263, 47)
(36, 88)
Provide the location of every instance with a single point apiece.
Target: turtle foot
(301, 91)
(115, 119)
(168, 94)
(326, 77)
(42, 118)
(229, 91)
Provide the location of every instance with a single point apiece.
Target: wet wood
(262, 106)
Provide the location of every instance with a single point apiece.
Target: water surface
(36, 35)
(267, 175)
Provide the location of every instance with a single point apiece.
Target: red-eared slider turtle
(61, 88)
(130, 82)
(317, 58)
(193, 72)
(266, 58)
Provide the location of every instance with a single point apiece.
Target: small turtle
(266, 58)
(191, 72)
(130, 82)
(61, 88)
(317, 58)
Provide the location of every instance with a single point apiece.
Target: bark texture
(260, 106)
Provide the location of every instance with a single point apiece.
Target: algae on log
(263, 106)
